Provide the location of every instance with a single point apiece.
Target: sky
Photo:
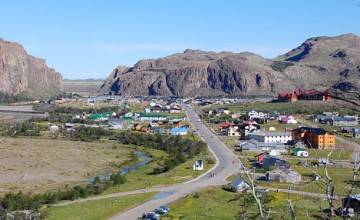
(84, 39)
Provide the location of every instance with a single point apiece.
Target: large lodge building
(311, 94)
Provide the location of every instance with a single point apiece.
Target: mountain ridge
(319, 62)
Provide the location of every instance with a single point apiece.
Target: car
(165, 208)
(151, 216)
(160, 211)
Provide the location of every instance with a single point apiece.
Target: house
(351, 205)
(236, 116)
(260, 158)
(175, 109)
(270, 162)
(312, 94)
(199, 165)
(271, 137)
(344, 121)
(289, 97)
(156, 108)
(283, 175)
(99, 117)
(224, 111)
(234, 131)
(315, 137)
(157, 130)
(152, 117)
(257, 115)
(247, 127)
(238, 185)
(289, 119)
(183, 130)
(224, 125)
(129, 114)
(323, 119)
(116, 123)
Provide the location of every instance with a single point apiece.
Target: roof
(151, 114)
(318, 131)
(224, 124)
(342, 118)
(356, 197)
(271, 133)
(312, 92)
(179, 129)
(238, 181)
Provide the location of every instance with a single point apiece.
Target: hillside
(317, 63)
(24, 75)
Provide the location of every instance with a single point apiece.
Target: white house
(234, 131)
(257, 115)
(199, 165)
(271, 137)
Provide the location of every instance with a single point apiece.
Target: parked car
(160, 211)
(163, 209)
(151, 216)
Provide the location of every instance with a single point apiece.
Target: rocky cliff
(23, 74)
(318, 63)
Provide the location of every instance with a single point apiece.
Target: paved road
(227, 164)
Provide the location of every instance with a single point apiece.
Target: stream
(143, 158)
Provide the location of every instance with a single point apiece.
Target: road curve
(227, 164)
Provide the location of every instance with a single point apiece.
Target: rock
(21, 73)
(318, 63)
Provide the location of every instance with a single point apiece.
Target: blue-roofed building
(179, 131)
(239, 185)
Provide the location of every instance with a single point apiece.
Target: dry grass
(36, 165)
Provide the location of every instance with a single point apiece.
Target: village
(280, 143)
(286, 147)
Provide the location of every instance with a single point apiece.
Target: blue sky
(88, 38)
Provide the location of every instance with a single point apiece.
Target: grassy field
(215, 203)
(340, 176)
(143, 178)
(338, 154)
(82, 87)
(38, 164)
(95, 210)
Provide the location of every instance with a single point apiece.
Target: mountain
(317, 63)
(24, 75)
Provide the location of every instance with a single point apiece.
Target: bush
(83, 133)
(179, 148)
(21, 201)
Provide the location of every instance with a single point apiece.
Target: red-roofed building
(311, 94)
(287, 97)
(224, 125)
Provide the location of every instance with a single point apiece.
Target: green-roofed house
(98, 117)
(152, 117)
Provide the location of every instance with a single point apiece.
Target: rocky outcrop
(347, 92)
(318, 63)
(23, 74)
